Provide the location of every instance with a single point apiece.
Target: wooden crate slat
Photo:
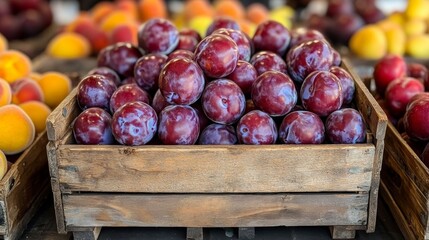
(215, 210)
(408, 200)
(60, 120)
(376, 121)
(410, 163)
(216, 168)
(29, 180)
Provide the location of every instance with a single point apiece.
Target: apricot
(115, 19)
(369, 42)
(418, 46)
(198, 8)
(257, 13)
(69, 45)
(101, 10)
(414, 27)
(3, 43)
(3, 164)
(229, 8)
(5, 93)
(16, 129)
(125, 33)
(38, 112)
(26, 89)
(14, 65)
(247, 27)
(55, 87)
(152, 9)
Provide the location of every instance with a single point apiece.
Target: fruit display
(26, 100)
(347, 15)
(230, 89)
(20, 19)
(403, 93)
(400, 33)
(118, 21)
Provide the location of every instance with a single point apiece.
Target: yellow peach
(38, 112)
(369, 42)
(16, 129)
(55, 87)
(69, 45)
(14, 65)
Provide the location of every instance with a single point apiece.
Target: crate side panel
(215, 210)
(239, 168)
(28, 180)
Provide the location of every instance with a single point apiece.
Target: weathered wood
(194, 233)
(376, 120)
(60, 120)
(408, 201)
(24, 188)
(246, 233)
(399, 218)
(236, 168)
(89, 234)
(215, 210)
(342, 232)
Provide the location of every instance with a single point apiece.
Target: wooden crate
(215, 186)
(404, 183)
(24, 189)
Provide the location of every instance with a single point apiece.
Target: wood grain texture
(24, 187)
(237, 168)
(376, 121)
(55, 185)
(45, 63)
(399, 218)
(61, 118)
(405, 191)
(215, 210)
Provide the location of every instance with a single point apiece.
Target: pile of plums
(175, 87)
(21, 19)
(403, 92)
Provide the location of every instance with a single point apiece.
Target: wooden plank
(21, 224)
(61, 118)
(406, 195)
(194, 233)
(30, 177)
(56, 192)
(34, 46)
(89, 234)
(237, 168)
(376, 120)
(410, 163)
(246, 233)
(215, 210)
(399, 218)
(341, 232)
